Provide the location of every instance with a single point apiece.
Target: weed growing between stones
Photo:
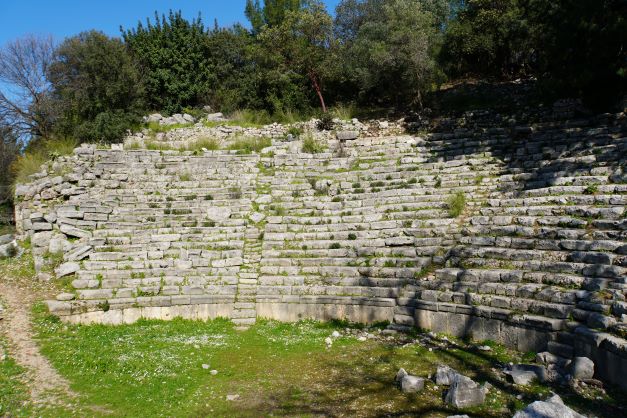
(456, 204)
(311, 146)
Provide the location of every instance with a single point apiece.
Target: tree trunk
(316, 86)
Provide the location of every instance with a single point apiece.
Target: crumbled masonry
(537, 258)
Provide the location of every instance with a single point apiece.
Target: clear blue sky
(62, 18)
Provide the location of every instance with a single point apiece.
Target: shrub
(31, 161)
(456, 204)
(325, 122)
(185, 176)
(335, 246)
(210, 144)
(250, 145)
(311, 145)
(352, 237)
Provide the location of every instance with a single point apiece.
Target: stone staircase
(364, 231)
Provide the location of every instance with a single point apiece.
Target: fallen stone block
(552, 407)
(412, 384)
(581, 368)
(66, 269)
(465, 392)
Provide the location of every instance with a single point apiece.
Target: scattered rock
(465, 392)
(347, 135)
(484, 348)
(412, 384)
(525, 374)
(445, 375)
(551, 408)
(232, 397)
(328, 341)
(66, 269)
(64, 297)
(213, 372)
(581, 368)
(335, 334)
(205, 366)
(400, 375)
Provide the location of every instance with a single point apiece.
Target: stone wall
(537, 259)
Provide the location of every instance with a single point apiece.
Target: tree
(581, 47)
(96, 86)
(173, 54)
(489, 38)
(9, 150)
(24, 89)
(303, 41)
(389, 49)
(271, 14)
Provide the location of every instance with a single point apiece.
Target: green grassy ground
(13, 396)
(155, 368)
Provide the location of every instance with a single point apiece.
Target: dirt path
(45, 384)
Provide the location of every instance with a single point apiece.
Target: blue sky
(62, 18)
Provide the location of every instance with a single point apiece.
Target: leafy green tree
(489, 38)
(272, 13)
(173, 54)
(96, 86)
(9, 150)
(581, 47)
(389, 49)
(302, 43)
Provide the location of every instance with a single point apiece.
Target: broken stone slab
(74, 232)
(10, 250)
(218, 214)
(347, 135)
(257, 217)
(79, 253)
(66, 269)
(552, 407)
(445, 375)
(412, 384)
(5, 239)
(525, 374)
(215, 117)
(400, 375)
(581, 368)
(64, 297)
(465, 392)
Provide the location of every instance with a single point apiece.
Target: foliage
(581, 47)
(271, 14)
(311, 145)
(9, 151)
(96, 86)
(325, 122)
(250, 145)
(173, 54)
(488, 38)
(456, 204)
(390, 50)
(301, 42)
(37, 154)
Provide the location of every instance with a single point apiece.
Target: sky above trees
(63, 18)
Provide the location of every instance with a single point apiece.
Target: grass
(155, 127)
(31, 161)
(311, 145)
(13, 397)
(250, 145)
(154, 368)
(456, 204)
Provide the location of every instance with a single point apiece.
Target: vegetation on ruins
(297, 58)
